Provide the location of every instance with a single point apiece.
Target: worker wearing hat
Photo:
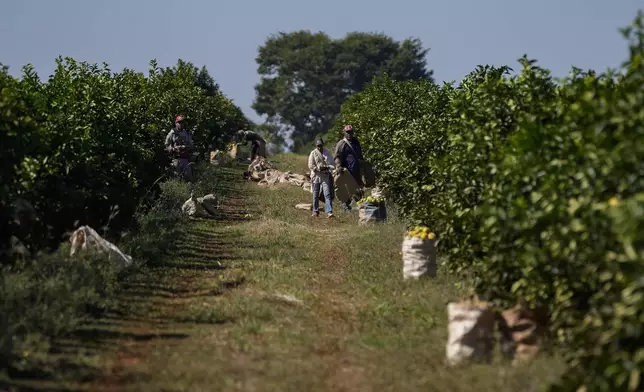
(321, 165)
(179, 144)
(348, 154)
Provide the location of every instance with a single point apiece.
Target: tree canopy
(306, 76)
(94, 138)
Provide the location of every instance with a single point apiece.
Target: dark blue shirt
(349, 158)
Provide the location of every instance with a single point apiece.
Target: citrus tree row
(75, 147)
(88, 139)
(535, 190)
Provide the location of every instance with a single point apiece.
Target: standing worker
(321, 166)
(178, 143)
(348, 153)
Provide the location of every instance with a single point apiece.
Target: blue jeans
(326, 189)
(182, 169)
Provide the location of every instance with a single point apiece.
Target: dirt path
(168, 306)
(267, 298)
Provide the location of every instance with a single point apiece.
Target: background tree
(274, 139)
(305, 76)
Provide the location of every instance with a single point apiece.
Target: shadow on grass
(190, 266)
(144, 299)
(65, 362)
(52, 374)
(95, 334)
(12, 386)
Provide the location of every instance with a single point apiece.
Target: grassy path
(267, 298)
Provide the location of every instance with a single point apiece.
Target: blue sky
(224, 35)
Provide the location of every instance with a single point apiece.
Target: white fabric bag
(419, 257)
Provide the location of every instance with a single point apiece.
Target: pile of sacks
(272, 177)
(260, 165)
(265, 174)
(257, 169)
(200, 207)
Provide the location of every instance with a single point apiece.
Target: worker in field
(321, 166)
(178, 144)
(258, 149)
(348, 153)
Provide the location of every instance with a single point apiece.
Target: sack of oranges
(419, 253)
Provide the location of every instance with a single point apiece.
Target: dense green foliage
(89, 140)
(86, 147)
(536, 190)
(305, 76)
(418, 136)
(46, 298)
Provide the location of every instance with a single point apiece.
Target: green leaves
(571, 224)
(89, 138)
(305, 77)
(535, 189)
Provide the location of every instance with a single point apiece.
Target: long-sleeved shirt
(179, 138)
(349, 156)
(317, 161)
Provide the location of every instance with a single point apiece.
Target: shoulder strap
(351, 147)
(319, 155)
